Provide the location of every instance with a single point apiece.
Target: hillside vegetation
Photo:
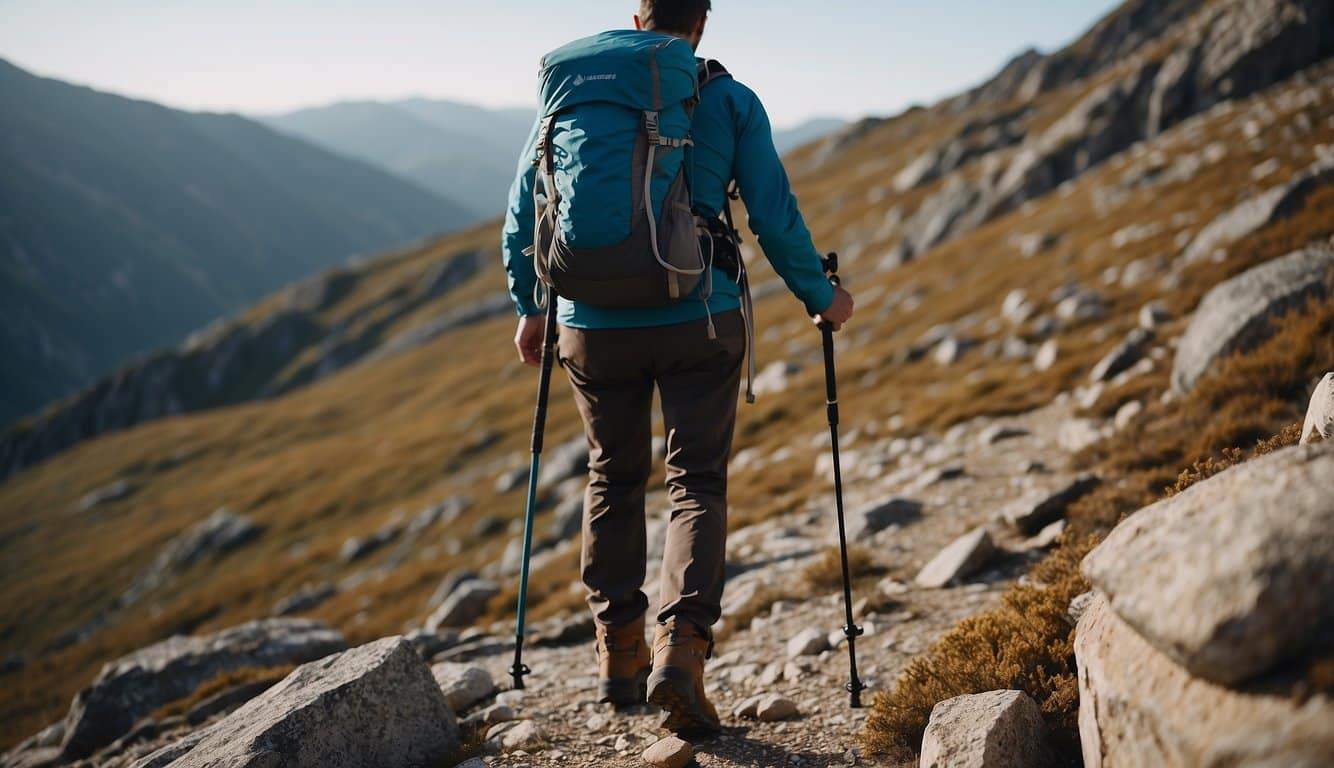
(1058, 180)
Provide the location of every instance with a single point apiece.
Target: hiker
(650, 286)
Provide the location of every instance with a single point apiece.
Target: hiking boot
(623, 663)
(677, 682)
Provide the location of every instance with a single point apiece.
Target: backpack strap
(708, 70)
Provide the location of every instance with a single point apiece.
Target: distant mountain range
(125, 225)
(459, 151)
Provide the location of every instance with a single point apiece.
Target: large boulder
(137, 684)
(1319, 423)
(375, 705)
(1138, 708)
(997, 729)
(1238, 314)
(1234, 574)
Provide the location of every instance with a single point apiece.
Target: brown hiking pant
(613, 372)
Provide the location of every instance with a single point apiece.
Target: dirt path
(775, 553)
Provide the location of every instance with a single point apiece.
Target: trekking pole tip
(517, 672)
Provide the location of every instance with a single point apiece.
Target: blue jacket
(733, 140)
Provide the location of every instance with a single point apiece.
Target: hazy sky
(822, 57)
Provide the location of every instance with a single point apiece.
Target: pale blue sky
(826, 57)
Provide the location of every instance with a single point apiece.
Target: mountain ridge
(129, 224)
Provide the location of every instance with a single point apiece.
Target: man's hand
(839, 310)
(528, 338)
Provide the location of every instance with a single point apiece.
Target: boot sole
(624, 692)
(674, 691)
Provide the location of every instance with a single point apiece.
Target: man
(615, 357)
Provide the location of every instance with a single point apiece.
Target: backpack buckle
(651, 127)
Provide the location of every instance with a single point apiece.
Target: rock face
(1234, 574)
(217, 534)
(1138, 708)
(133, 686)
(998, 729)
(963, 557)
(1237, 314)
(373, 705)
(1319, 423)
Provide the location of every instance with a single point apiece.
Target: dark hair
(680, 16)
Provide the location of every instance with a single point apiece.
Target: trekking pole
(850, 630)
(518, 670)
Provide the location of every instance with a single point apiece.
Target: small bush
(826, 573)
(1026, 644)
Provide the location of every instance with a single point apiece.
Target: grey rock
(774, 707)
(568, 516)
(963, 557)
(1253, 213)
(1152, 315)
(113, 491)
(1127, 413)
(670, 752)
(526, 735)
(1138, 708)
(359, 547)
(216, 535)
(1236, 573)
(464, 605)
(463, 684)
(306, 598)
(429, 643)
(938, 475)
(1319, 423)
(1122, 356)
(1046, 355)
(997, 729)
(448, 584)
(866, 521)
(1080, 605)
(1238, 314)
(808, 642)
(496, 713)
(775, 377)
(564, 461)
(1000, 432)
(134, 685)
(511, 479)
(1036, 510)
(1077, 434)
(373, 705)
(1045, 537)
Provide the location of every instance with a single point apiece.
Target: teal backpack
(613, 154)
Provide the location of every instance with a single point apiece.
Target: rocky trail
(943, 490)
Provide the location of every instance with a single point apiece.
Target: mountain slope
(458, 151)
(125, 225)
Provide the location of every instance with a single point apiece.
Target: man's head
(682, 18)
